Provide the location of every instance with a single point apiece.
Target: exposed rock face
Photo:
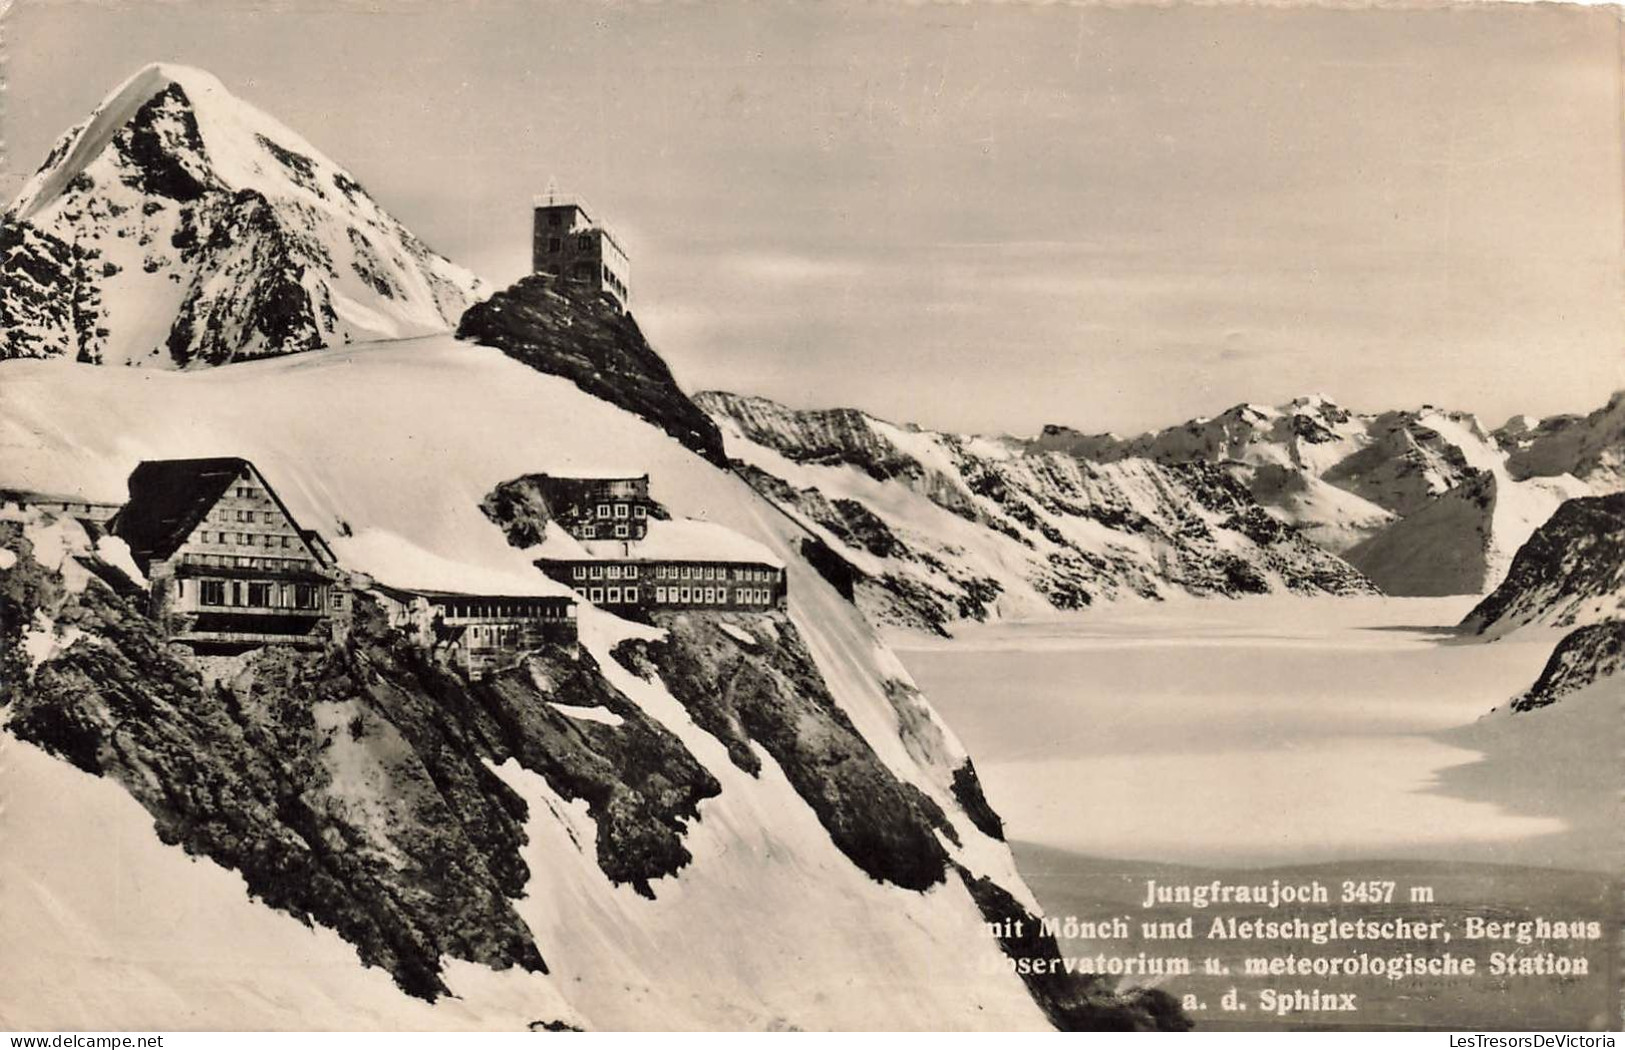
(1408, 460)
(575, 333)
(926, 529)
(771, 694)
(1572, 571)
(1422, 502)
(50, 300)
(523, 506)
(1585, 655)
(351, 787)
(204, 232)
(1461, 542)
(369, 790)
(1592, 447)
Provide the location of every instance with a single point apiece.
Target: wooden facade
(228, 566)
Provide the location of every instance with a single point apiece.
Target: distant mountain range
(931, 528)
(938, 527)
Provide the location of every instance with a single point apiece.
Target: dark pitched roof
(168, 497)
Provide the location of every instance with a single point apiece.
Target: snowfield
(1281, 730)
(388, 449)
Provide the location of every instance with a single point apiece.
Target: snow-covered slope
(1585, 657)
(927, 528)
(179, 225)
(770, 922)
(1590, 447)
(1422, 502)
(1464, 540)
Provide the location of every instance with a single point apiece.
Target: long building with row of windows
(229, 568)
(678, 564)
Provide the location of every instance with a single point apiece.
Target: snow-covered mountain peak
(180, 225)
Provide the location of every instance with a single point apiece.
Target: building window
(596, 572)
(597, 594)
(640, 511)
(615, 595)
(622, 510)
(710, 595)
(688, 572)
(621, 532)
(589, 531)
(304, 596)
(286, 542)
(631, 572)
(578, 573)
(336, 599)
(259, 594)
(584, 242)
(603, 510)
(212, 592)
(270, 518)
(660, 595)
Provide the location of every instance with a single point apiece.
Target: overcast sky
(978, 217)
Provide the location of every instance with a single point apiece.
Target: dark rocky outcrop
(772, 694)
(50, 301)
(252, 267)
(575, 333)
(967, 788)
(160, 141)
(1585, 655)
(262, 764)
(1047, 525)
(523, 506)
(1571, 569)
(255, 251)
(1590, 447)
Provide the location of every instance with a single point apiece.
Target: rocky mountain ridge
(1419, 503)
(1424, 502)
(179, 226)
(1589, 447)
(676, 783)
(1570, 573)
(925, 529)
